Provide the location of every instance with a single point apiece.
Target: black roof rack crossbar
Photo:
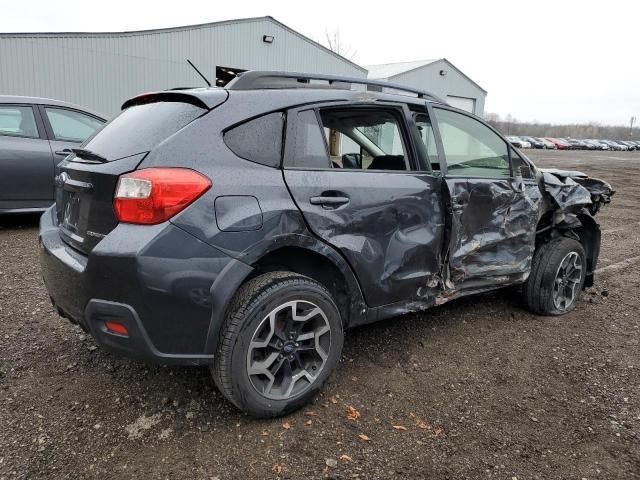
(257, 79)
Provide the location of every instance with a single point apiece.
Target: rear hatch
(87, 179)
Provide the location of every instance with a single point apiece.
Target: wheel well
(312, 265)
(580, 226)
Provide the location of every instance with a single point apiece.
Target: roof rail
(258, 79)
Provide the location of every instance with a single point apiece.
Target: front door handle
(65, 152)
(329, 202)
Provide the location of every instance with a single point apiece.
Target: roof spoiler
(203, 98)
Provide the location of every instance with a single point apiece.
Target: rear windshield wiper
(86, 154)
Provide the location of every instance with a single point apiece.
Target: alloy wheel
(288, 350)
(567, 282)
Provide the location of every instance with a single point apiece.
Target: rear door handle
(329, 202)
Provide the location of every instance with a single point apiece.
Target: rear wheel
(281, 340)
(557, 277)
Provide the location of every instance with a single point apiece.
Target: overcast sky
(555, 61)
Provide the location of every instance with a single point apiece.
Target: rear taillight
(154, 195)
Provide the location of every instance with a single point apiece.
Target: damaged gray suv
(245, 228)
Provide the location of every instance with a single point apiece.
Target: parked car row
(573, 143)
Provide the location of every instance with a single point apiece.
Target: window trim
(398, 110)
(49, 129)
(36, 117)
(434, 121)
(414, 116)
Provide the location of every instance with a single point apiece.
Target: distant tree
(509, 125)
(335, 44)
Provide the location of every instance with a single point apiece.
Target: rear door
(67, 128)
(26, 165)
(493, 211)
(363, 187)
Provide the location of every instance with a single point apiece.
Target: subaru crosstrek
(245, 228)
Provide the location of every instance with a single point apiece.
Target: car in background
(615, 146)
(559, 143)
(518, 142)
(597, 144)
(579, 144)
(573, 143)
(547, 144)
(36, 134)
(535, 143)
(631, 145)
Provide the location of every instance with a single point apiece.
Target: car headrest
(388, 162)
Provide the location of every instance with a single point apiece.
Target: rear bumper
(168, 288)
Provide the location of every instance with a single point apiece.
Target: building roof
(387, 71)
(179, 29)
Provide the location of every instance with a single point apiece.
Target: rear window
(141, 127)
(258, 140)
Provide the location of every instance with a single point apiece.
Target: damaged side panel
(491, 232)
(389, 228)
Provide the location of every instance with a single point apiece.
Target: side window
(364, 139)
(309, 149)
(471, 148)
(258, 140)
(520, 167)
(18, 121)
(71, 126)
(425, 130)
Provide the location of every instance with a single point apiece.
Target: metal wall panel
(100, 71)
(453, 83)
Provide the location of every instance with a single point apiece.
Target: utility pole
(633, 119)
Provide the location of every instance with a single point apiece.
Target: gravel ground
(478, 388)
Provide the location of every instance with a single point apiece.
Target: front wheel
(281, 340)
(557, 277)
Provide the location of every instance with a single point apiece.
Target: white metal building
(101, 70)
(438, 76)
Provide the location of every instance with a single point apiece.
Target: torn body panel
(570, 189)
(491, 235)
(574, 199)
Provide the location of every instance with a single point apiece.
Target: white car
(518, 142)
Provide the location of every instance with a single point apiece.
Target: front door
(355, 174)
(493, 214)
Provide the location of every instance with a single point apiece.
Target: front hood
(570, 188)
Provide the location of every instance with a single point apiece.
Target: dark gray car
(35, 135)
(246, 228)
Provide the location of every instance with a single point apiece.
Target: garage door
(463, 103)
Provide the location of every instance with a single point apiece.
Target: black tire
(247, 316)
(538, 293)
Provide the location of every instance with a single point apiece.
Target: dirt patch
(478, 388)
